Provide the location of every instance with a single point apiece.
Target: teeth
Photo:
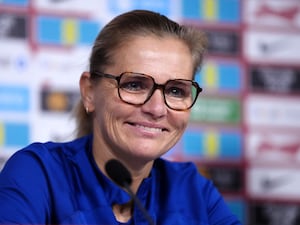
(152, 129)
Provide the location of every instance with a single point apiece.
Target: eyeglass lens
(138, 88)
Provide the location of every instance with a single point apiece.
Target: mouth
(149, 128)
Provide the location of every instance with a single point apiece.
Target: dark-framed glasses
(137, 89)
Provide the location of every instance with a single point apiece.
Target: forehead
(163, 58)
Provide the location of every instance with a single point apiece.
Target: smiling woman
(135, 105)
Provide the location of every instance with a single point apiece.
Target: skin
(137, 135)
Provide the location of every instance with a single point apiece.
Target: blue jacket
(59, 183)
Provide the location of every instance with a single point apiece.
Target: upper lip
(150, 125)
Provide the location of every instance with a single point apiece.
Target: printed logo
(13, 26)
(162, 6)
(291, 149)
(58, 101)
(217, 110)
(271, 213)
(275, 79)
(15, 2)
(273, 182)
(223, 42)
(268, 183)
(221, 11)
(226, 178)
(272, 47)
(272, 13)
(14, 134)
(219, 76)
(269, 146)
(211, 144)
(80, 8)
(14, 98)
(286, 14)
(66, 31)
(265, 111)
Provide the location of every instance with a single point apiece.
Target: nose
(155, 105)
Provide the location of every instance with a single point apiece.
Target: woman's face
(148, 131)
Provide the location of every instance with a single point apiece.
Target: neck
(123, 212)
(138, 175)
(138, 168)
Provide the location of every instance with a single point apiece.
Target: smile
(151, 129)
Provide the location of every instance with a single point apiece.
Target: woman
(135, 105)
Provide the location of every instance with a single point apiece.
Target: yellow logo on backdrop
(211, 142)
(210, 9)
(210, 75)
(69, 32)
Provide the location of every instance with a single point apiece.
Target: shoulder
(197, 192)
(44, 155)
(53, 148)
(36, 177)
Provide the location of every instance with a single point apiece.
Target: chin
(145, 156)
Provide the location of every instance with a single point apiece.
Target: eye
(132, 86)
(135, 84)
(178, 89)
(176, 92)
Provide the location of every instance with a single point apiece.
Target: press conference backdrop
(244, 131)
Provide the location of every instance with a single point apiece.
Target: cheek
(184, 118)
(106, 119)
(105, 99)
(180, 121)
(107, 110)
(104, 103)
(110, 109)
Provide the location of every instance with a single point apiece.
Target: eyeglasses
(137, 89)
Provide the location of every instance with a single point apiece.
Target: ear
(86, 91)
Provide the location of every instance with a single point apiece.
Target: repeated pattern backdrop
(244, 131)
